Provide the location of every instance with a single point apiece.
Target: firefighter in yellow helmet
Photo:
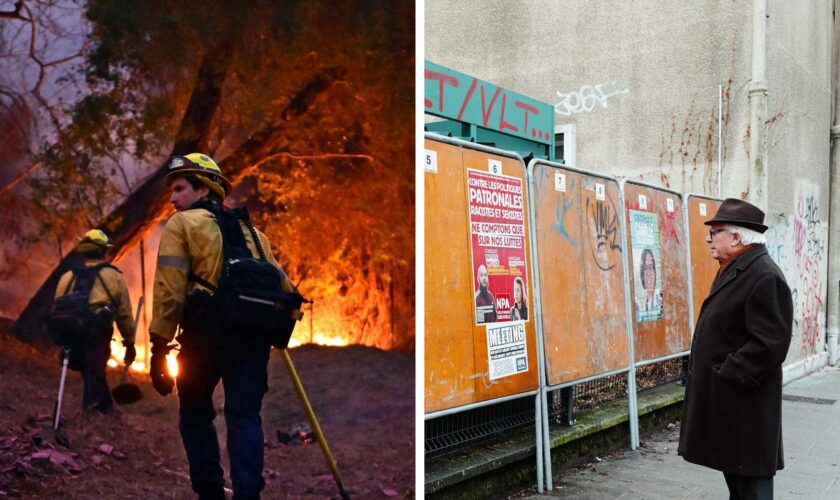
(108, 301)
(200, 242)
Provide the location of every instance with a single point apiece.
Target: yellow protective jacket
(111, 279)
(192, 242)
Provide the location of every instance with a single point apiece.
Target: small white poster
(600, 192)
(642, 202)
(669, 205)
(430, 162)
(507, 350)
(703, 209)
(559, 182)
(494, 167)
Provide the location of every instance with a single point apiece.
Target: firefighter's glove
(161, 379)
(130, 354)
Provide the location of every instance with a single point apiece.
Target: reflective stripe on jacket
(113, 280)
(192, 241)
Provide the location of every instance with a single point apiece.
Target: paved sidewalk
(811, 433)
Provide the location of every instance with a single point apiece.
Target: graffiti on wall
(797, 244)
(809, 250)
(587, 98)
(564, 206)
(461, 97)
(604, 236)
(776, 237)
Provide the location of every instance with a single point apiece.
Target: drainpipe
(833, 299)
(758, 106)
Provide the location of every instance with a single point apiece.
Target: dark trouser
(95, 355)
(749, 487)
(243, 371)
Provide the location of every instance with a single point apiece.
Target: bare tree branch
(19, 177)
(14, 14)
(322, 156)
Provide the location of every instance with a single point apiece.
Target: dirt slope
(364, 399)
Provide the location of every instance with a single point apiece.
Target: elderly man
(732, 414)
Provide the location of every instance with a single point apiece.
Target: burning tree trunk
(148, 203)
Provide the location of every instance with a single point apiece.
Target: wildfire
(139, 365)
(320, 339)
(118, 354)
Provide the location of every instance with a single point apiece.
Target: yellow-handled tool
(315, 426)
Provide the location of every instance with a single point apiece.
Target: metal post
(538, 436)
(628, 312)
(567, 400)
(691, 313)
(720, 138)
(832, 305)
(541, 427)
(758, 106)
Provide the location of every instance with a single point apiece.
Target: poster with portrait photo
(497, 233)
(647, 276)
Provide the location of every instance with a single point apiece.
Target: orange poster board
(703, 267)
(580, 269)
(473, 221)
(656, 239)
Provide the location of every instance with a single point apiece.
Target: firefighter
(109, 302)
(189, 266)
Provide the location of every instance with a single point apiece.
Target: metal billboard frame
(540, 360)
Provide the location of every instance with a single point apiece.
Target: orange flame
(172, 365)
(321, 338)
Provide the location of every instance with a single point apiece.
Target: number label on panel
(703, 209)
(642, 202)
(600, 192)
(669, 205)
(430, 161)
(559, 182)
(494, 167)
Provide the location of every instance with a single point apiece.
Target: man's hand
(161, 379)
(130, 354)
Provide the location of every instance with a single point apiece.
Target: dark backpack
(249, 296)
(71, 322)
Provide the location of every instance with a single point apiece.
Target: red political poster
(497, 231)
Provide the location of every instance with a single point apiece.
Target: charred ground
(364, 399)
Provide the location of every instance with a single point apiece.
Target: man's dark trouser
(749, 487)
(244, 374)
(97, 394)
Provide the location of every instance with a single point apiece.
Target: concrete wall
(799, 38)
(639, 82)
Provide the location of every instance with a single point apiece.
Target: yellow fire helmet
(97, 237)
(203, 168)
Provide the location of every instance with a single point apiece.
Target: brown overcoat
(732, 414)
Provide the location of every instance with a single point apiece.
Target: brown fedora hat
(739, 213)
